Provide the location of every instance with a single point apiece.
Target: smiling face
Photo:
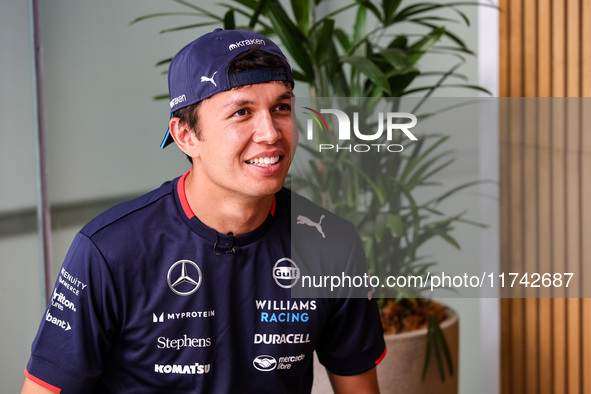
(245, 146)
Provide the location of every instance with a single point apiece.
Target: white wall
(490, 313)
(104, 128)
(20, 280)
(103, 131)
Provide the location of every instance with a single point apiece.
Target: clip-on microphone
(231, 249)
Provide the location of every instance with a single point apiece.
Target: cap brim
(167, 140)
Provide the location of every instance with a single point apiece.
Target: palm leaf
(160, 14)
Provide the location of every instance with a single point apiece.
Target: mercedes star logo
(188, 277)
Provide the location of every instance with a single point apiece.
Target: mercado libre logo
(391, 125)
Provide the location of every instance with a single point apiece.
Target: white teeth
(264, 161)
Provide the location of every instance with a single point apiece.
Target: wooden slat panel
(530, 244)
(573, 344)
(517, 346)
(516, 322)
(558, 48)
(573, 246)
(505, 239)
(585, 50)
(546, 366)
(558, 246)
(544, 89)
(586, 231)
(544, 66)
(573, 89)
(546, 219)
(573, 46)
(559, 345)
(504, 53)
(586, 345)
(586, 193)
(530, 53)
(518, 337)
(515, 42)
(506, 344)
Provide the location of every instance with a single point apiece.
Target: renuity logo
(390, 122)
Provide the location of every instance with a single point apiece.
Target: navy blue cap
(200, 69)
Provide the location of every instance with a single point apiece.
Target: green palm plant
(372, 58)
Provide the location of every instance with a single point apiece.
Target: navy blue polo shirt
(150, 300)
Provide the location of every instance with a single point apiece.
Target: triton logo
(301, 219)
(60, 301)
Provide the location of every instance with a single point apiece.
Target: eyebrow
(237, 103)
(242, 102)
(287, 95)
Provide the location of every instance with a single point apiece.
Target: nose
(265, 129)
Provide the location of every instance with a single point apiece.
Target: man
(188, 289)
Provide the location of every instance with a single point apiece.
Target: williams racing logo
(286, 273)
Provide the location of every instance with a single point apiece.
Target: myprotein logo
(390, 123)
(286, 273)
(248, 42)
(160, 318)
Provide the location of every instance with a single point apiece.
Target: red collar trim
(272, 211)
(185, 204)
(183, 196)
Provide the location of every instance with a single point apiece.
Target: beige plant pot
(400, 371)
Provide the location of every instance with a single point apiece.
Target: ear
(185, 138)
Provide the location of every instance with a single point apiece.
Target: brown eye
(240, 112)
(284, 107)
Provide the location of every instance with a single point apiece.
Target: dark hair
(252, 59)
